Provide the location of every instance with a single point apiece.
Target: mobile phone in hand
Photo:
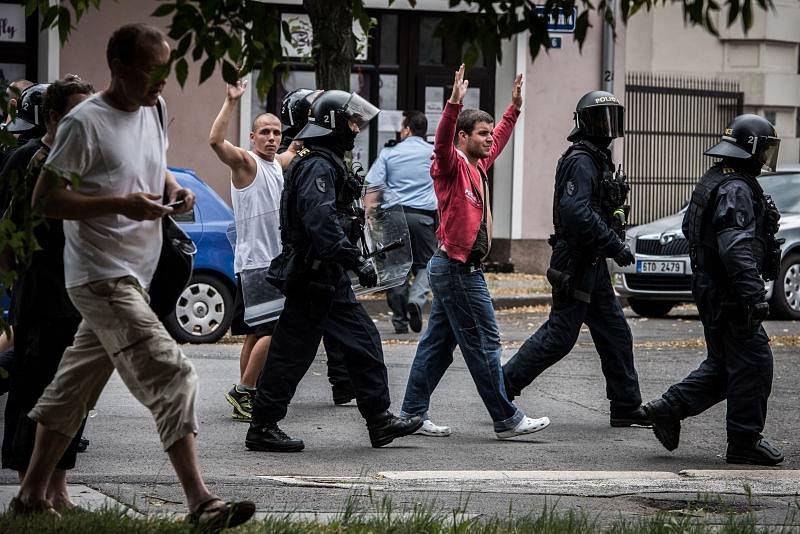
(175, 204)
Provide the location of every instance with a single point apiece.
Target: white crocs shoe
(434, 431)
(526, 426)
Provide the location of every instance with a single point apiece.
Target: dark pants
(307, 316)
(337, 368)
(38, 350)
(556, 337)
(422, 230)
(738, 368)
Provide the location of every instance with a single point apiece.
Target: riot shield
(262, 301)
(384, 241)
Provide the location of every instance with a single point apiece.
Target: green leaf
(207, 69)
(183, 45)
(163, 10)
(733, 12)
(747, 15)
(64, 24)
(229, 73)
(181, 71)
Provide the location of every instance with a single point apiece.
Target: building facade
(765, 61)
(403, 66)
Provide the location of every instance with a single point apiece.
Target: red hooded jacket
(458, 185)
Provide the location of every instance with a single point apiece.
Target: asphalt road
(125, 460)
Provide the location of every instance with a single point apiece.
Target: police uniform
(586, 197)
(730, 225)
(318, 225)
(319, 296)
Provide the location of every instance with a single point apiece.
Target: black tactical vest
(292, 231)
(699, 231)
(604, 165)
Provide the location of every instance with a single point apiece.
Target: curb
(375, 307)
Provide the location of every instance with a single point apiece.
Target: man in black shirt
(45, 319)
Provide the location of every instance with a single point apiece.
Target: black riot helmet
(333, 110)
(295, 108)
(30, 119)
(748, 137)
(598, 114)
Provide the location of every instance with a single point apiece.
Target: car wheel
(785, 303)
(204, 311)
(650, 308)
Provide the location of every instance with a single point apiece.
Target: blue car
(205, 308)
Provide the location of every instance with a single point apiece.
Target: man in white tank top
(256, 185)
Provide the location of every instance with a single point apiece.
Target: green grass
(383, 517)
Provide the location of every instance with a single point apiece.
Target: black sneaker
(271, 438)
(414, 317)
(762, 452)
(83, 444)
(242, 401)
(634, 417)
(666, 422)
(386, 427)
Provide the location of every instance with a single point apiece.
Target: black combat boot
(622, 417)
(666, 421)
(760, 452)
(385, 427)
(269, 437)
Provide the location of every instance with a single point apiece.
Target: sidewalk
(509, 290)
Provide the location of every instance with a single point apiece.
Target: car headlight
(631, 242)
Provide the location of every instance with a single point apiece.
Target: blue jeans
(462, 314)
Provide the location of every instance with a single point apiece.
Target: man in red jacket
(467, 143)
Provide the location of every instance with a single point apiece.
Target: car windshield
(784, 190)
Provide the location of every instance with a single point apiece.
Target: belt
(472, 265)
(429, 213)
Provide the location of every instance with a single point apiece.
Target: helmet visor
(768, 148)
(359, 111)
(603, 121)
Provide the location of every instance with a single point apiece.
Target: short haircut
(261, 115)
(416, 121)
(127, 41)
(19, 85)
(56, 97)
(467, 120)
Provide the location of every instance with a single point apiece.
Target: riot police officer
(316, 211)
(294, 116)
(730, 225)
(588, 216)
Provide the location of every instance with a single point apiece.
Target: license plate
(661, 267)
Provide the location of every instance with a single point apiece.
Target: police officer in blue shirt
(404, 167)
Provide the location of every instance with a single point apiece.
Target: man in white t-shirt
(106, 175)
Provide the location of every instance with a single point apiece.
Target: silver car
(661, 276)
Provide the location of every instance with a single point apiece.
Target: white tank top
(257, 211)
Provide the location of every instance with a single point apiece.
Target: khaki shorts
(120, 331)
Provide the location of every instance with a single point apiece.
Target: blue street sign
(555, 42)
(559, 20)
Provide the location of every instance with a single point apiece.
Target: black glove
(367, 276)
(624, 257)
(756, 314)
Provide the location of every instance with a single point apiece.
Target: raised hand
(235, 92)
(459, 86)
(516, 92)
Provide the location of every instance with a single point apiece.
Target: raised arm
(242, 165)
(504, 128)
(444, 151)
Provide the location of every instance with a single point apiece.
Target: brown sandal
(18, 507)
(214, 514)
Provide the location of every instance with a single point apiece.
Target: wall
(191, 109)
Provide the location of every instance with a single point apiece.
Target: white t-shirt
(257, 211)
(113, 153)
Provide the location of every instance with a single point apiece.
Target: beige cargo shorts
(120, 331)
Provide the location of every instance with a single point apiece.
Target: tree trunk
(334, 43)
